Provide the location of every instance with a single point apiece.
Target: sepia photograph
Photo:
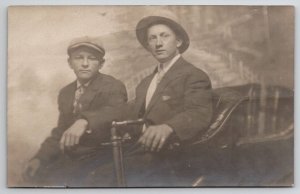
(141, 96)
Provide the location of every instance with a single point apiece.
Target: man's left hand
(155, 137)
(72, 135)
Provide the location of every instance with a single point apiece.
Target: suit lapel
(68, 98)
(174, 72)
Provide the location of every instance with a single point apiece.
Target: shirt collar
(167, 65)
(84, 85)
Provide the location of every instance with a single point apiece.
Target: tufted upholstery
(230, 149)
(225, 101)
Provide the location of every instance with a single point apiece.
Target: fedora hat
(162, 17)
(86, 41)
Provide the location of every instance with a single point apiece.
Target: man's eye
(165, 35)
(92, 58)
(77, 57)
(151, 38)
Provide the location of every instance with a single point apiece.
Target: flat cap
(86, 41)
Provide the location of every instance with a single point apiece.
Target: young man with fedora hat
(175, 102)
(176, 99)
(87, 107)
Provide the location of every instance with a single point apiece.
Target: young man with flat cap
(87, 107)
(175, 102)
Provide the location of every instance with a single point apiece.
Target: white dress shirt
(162, 69)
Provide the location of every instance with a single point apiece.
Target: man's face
(162, 42)
(85, 63)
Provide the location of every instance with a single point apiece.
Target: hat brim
(145, 23)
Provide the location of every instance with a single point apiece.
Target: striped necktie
(78, 93)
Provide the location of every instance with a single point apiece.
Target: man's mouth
(159, 51)
(84, 71)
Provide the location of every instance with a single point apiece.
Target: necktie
(78, 93)
(160, 73)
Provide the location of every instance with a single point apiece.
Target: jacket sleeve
(197, 112)
(49, 149)
(99, 121)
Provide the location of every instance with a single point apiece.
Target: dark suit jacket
(182, 100)
(99, 107)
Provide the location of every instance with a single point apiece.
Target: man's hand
(31, 169)
(155, 137)
(72, 135)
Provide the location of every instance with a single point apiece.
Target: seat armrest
(225, 102)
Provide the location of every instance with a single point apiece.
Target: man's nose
(159, 42)
(85, 62)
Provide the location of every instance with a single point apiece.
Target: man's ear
(179, 42)
(148, 47)
(69, 62)
(101, 63)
